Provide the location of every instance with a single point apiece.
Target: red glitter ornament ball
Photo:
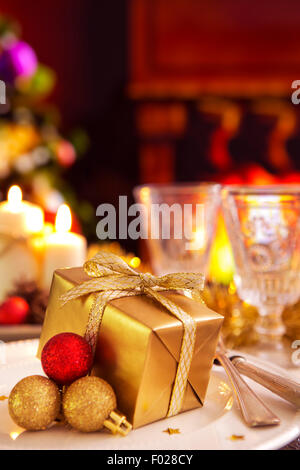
(14, 311)
(67, 357)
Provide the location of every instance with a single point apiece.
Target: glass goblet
(179, 223)
(263, 224)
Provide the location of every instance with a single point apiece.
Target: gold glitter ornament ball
(34, 403)
(87, 403)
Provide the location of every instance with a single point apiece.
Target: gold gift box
(139, 346)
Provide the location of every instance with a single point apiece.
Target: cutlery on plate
(253, 409)
(282, 386)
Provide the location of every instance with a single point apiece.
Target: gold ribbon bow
(112, 278)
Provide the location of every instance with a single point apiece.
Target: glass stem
(269, 323)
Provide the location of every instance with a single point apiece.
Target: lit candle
(63, 249)
(19, 218)
(19, 221)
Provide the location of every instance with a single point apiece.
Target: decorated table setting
(198, 350)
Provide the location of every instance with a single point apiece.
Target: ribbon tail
(186, 354)
(97, 311)
(197, 295)
(182, 374)
(94, 321)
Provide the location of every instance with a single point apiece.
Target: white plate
(208, 428)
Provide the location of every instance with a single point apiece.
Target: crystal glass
(180, 232)
(263, 224)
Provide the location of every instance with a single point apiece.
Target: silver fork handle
(254, 411)
(282, 386)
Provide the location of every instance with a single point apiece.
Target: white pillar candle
(19, 220)
(63, 249)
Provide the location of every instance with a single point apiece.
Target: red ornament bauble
(14, 311)
(67, 357)
(66, 154)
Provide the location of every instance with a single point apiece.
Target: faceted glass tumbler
(263, 224)
(179, 223)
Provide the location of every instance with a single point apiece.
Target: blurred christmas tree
(33, 154)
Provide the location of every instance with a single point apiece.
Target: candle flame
(145, 195)
(199, 238)
(63, 220)
(15, 195)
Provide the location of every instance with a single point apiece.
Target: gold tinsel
(240, 317)
(291, 318)
(34, 403)
(87, 403)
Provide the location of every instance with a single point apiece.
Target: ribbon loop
(104, 264)
(113, 278)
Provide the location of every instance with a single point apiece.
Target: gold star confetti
(3, 398)
(171, 431)
(235, 437)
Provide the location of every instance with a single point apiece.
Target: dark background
(85, 42)
(135, 73)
